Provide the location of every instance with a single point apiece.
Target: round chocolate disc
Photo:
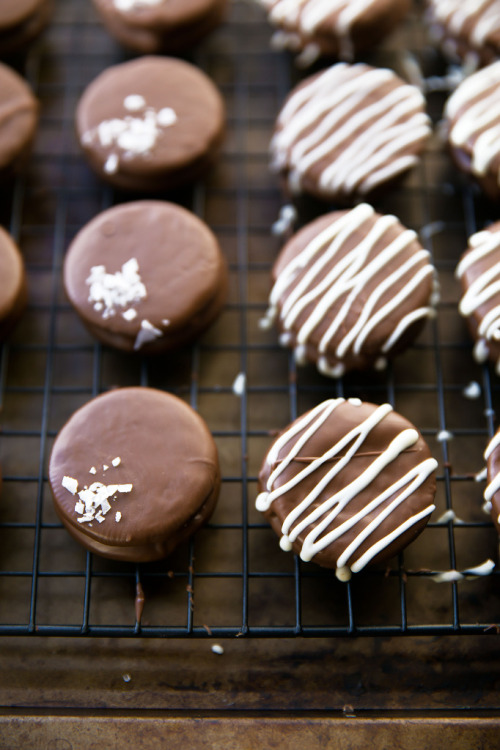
(18, 123)
(150, 124)
(13, 289)
(351, 289)
(348, 130)
(133, 473)
(146, 276)
(337, 28)
(21, 21)
(347, 484)
(479, 273)
(152, 26)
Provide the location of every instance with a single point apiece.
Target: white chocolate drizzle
(494, 484)
(313, 516)
(474, 113)
(483, 291)
(451, 576)
(307, 16)
(331, 287)
(354, 126)
(133, 135)
(109, 292)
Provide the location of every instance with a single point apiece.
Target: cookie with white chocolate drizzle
(347, 131)
(347, 484)
(473, 122)
(466, 28)
(351, 289)
(337, 28)
(479, 274)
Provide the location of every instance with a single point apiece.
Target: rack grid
(232, 579)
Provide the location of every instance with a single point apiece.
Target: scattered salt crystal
(126, 677)
(147, 333)
(92, 470)
(70, 484)
(133, 102)
(111, 164)
(217, 649)
(118, 516)
(239, 384)
(129, 314)
(472, 390)
(166, 117)
(116, 461)
(105, 467)
(108, 291)
(444, 435)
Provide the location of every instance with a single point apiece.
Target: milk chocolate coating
(166, 452)
(348, 290)
(182, 151)
(179, 262)
(21, 21)
(13, 288)
(346, 416)
(333, 38)
(18, 121)
(170, 26)
(348, 132)
(479, 273)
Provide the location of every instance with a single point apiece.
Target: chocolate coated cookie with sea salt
(155, 26)
(134, 473)
(146, 276)
(151, 124)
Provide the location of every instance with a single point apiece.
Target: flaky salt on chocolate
(156, 474)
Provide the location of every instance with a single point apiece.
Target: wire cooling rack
(232, 579)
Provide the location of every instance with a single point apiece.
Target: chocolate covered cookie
(18, 122)
(146, 276)
(21, 21)
(134, 473)
(473, 120)
(150, 124)
(337, 28)
(351, 289)
(347, 484)
(152, 26)
(466, 28)
(479, 274)
(347, 131)
(13, 289)
(492, 490)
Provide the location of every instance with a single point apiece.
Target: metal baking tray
(232, 584)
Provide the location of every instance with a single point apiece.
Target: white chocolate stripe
(329, 509)
(494, 443)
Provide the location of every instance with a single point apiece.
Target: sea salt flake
(217, 649)
(111, 164)
(134, 102)
(92, 470)
(166, 117)
(116, 461)
(148, 332)
(105, 467)
(109, 291)
(118, 516)
(239, 384)
(70, 484)
(129, 314)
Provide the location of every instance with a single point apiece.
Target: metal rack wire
(231, 579)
